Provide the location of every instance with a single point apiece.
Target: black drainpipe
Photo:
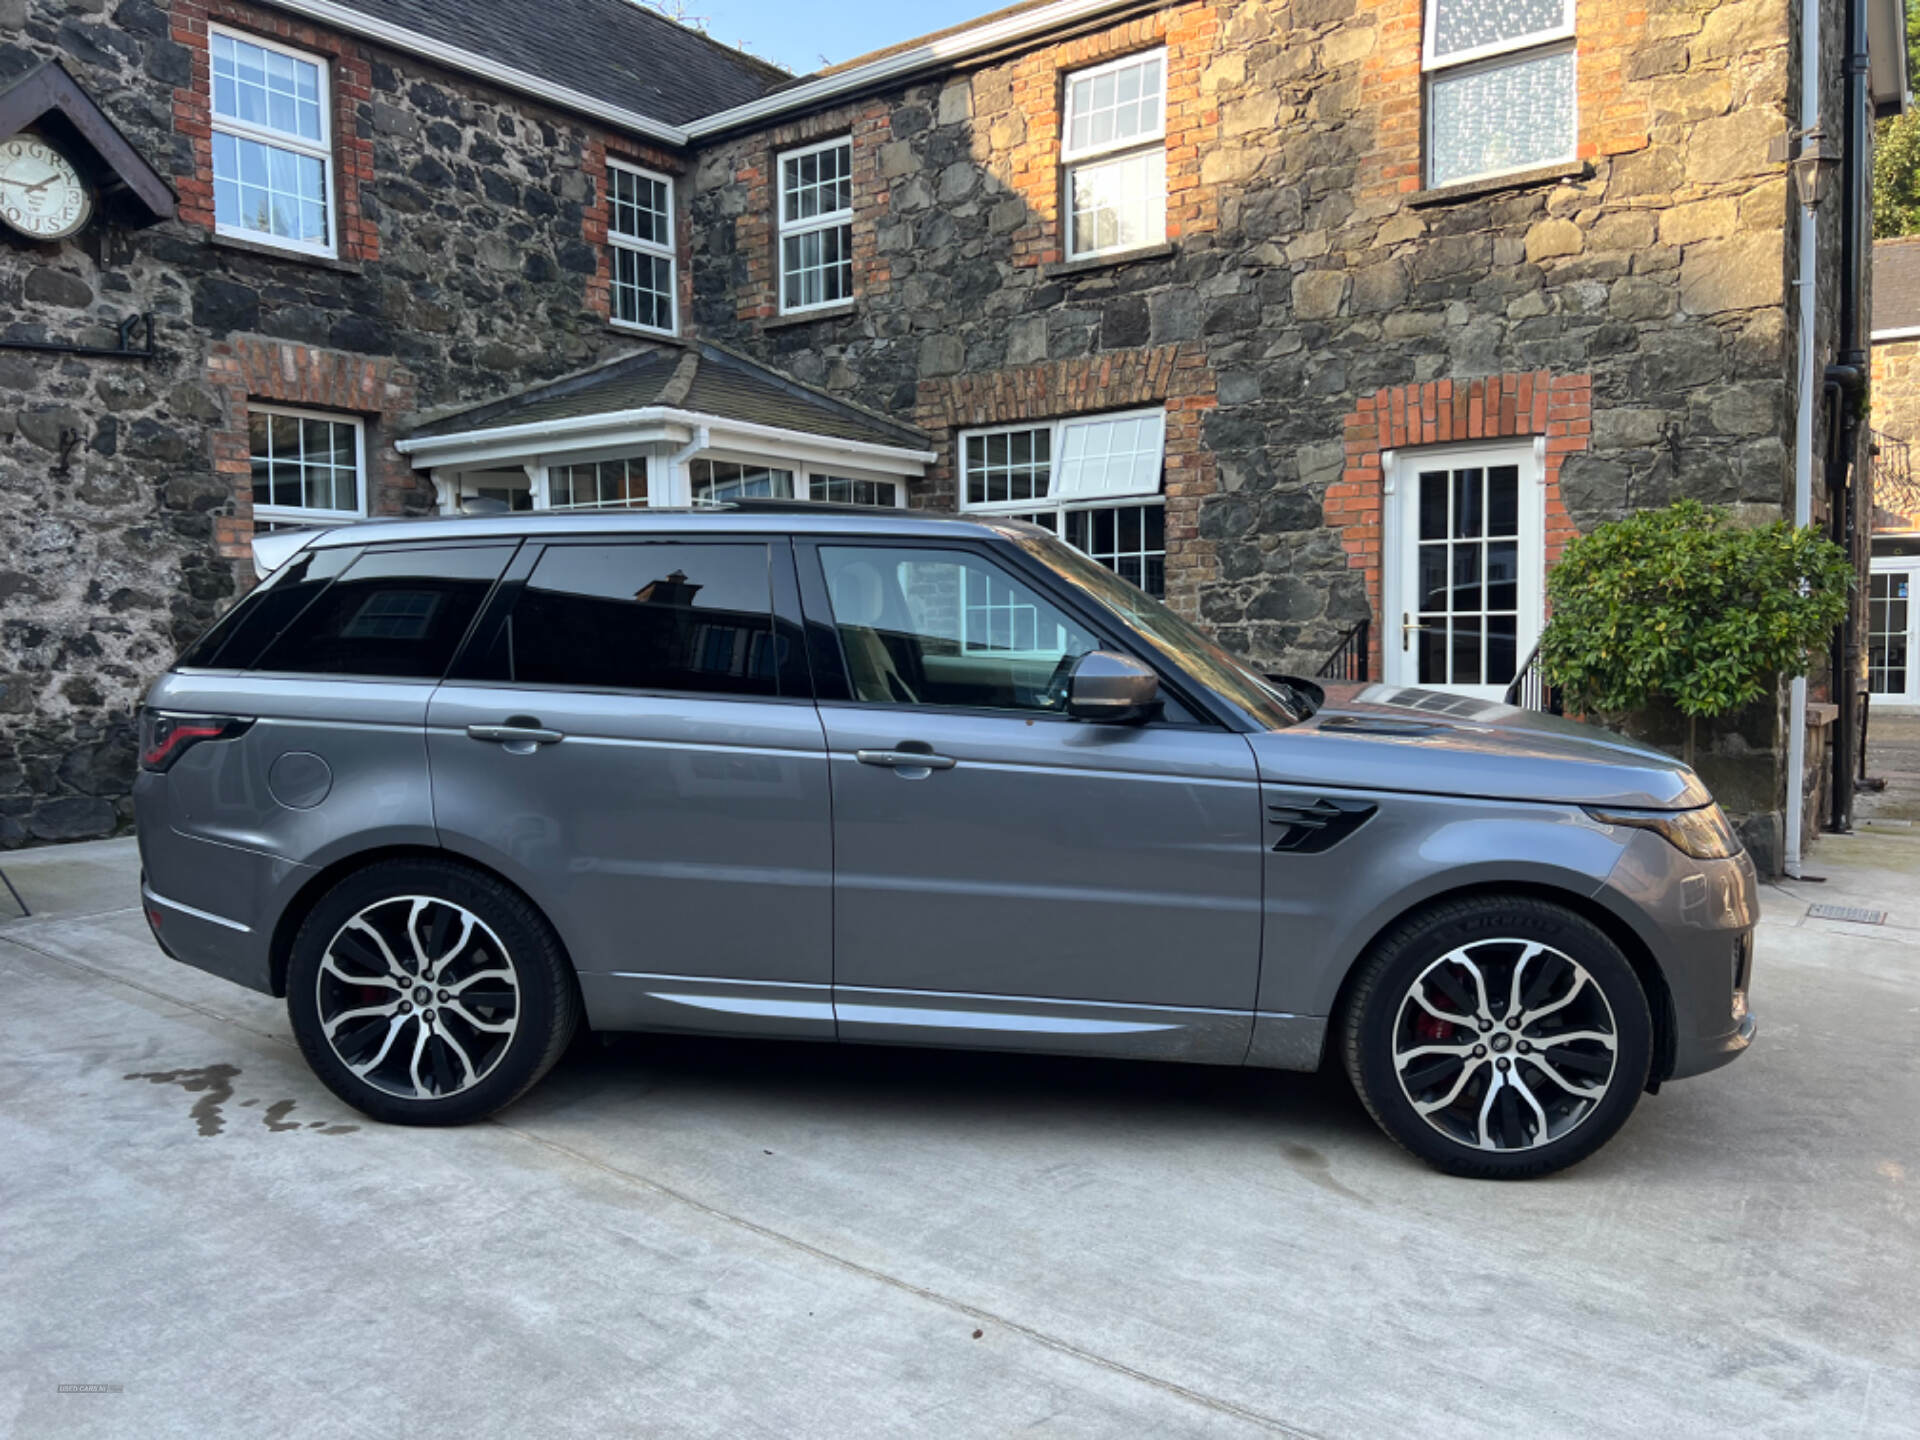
(1847, 384)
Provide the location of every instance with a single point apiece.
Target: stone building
(1893, 616)
(1330, 320)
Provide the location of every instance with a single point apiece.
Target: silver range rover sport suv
(455, 788)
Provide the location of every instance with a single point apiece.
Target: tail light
(165, 737)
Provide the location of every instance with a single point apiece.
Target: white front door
(1892, 618)
(1463, 565)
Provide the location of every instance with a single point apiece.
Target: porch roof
(699, 384)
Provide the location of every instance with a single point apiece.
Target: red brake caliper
(1432, 1028)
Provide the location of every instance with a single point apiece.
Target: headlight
(1704, 834)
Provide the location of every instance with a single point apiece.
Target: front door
(631, 738)
(1005, 876)
(1465, 575)
(1892, 676)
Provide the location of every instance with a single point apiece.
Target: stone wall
(468, 268)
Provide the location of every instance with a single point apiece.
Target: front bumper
(1699, 918)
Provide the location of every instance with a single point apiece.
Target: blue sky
(796, 33)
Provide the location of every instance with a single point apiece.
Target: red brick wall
(350, 76)
(1559, 407)
(1172, 375)
(247, 368)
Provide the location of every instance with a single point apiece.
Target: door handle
(519, 734)
(1408, 626)
(905, 759)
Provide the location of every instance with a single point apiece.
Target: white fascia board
(943, 51)
(650, 425)
(1887, 76)
(1909, 332)
(340, 17)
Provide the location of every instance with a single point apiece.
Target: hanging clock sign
(42, 195)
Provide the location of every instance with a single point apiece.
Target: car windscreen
(1184, 646)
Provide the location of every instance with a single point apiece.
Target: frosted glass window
(1491, 119)
(1463, 25)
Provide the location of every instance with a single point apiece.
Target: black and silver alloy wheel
(426, 992)
(1497, 1036)
(1504, 1044)
(417, 998)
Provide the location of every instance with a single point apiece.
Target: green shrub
(1684, 605)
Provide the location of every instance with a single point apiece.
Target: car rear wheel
(1498, 1037)
(423, 992)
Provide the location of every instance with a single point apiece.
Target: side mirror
(1112, 689)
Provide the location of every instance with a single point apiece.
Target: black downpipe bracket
(1847, 382)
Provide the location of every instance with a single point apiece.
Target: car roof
(795, 517)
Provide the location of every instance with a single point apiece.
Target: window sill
(1495, 184)
(807, 317)
(277, 252)
(641, 332)
(1088, 263)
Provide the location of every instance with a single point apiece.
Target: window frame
(1057, 428)
(280, 139)
(1495, 55)
(297, 514)
(669, 252)
(785, 228)
(1072, 159)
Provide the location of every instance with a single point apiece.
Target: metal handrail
(1530, 690)
(1349, 659)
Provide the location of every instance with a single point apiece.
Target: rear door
(631, 737)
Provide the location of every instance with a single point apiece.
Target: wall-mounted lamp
(1814, 166)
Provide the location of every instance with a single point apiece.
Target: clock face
(41, 194)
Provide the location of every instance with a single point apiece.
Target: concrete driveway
(724, 1239)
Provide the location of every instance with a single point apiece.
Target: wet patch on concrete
(214, 1085)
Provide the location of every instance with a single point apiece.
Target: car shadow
(907, 1084)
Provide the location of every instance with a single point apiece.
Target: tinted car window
(948, 627)
(236, 641)
(643, 617)
(395, 613)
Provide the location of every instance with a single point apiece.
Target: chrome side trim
(639, 1000)
(206, 915)
(1026, 1022)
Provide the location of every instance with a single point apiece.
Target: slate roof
(613, 50)
(700, 378)
(1896, 283)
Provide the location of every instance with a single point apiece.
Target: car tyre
(1498, 1037)
(426, 992)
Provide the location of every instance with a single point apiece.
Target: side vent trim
(1311, 827)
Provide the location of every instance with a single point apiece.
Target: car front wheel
(1498, 1038)
(423, 992)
